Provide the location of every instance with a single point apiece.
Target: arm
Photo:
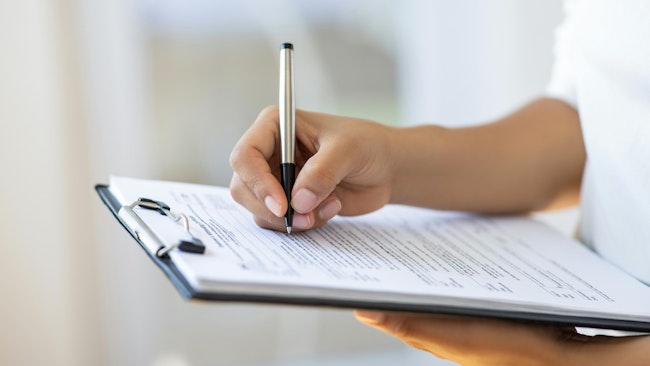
(522, 162)
(350, 166)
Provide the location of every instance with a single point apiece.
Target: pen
(287, 128)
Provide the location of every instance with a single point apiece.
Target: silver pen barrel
(287, 105)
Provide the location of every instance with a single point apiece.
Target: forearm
(519, 163)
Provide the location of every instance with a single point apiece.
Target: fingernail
(330, 209)
(304, 200)
(301, 221)
(273, 206)
(368, 316)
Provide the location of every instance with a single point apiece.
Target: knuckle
(241, 185)
(241, 156)
(269, 111)
(234, 157)
(236, 189)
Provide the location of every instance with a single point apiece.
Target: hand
(479, 341)
(343, 167)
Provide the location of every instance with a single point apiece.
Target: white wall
(45, 249)
(468, 61)
(96, 88)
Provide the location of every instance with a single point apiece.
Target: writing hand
(343, 167)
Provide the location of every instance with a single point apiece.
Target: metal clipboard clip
(151, 241)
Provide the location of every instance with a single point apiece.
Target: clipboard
(165, 264)
(187, 291)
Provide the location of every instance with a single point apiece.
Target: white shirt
(603, 69)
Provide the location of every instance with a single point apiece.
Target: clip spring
(193, 245)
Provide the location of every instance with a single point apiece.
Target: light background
(163, 89)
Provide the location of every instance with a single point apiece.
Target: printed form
(395, 254)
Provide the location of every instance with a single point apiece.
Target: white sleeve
(563, 76)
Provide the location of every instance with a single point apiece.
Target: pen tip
(288, 229)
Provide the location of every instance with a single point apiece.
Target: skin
(529, 160)
(477, 341)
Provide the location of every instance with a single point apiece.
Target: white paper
(399, 254)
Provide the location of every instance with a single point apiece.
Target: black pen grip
(287, 178)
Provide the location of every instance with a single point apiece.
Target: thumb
(320, 175)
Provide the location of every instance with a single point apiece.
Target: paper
(398, 254)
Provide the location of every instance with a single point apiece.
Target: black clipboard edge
(165, 264)
(188, 292)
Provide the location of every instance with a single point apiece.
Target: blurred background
(162, 90)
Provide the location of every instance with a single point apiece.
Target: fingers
(328, 151)
(250, 160)
(255, 153)
(350, 159)
(466, 338)
(329, 208)
(319, 177)
(267, 218)
(398, 325)
(406, 328)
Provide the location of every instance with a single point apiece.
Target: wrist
(417, 155)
